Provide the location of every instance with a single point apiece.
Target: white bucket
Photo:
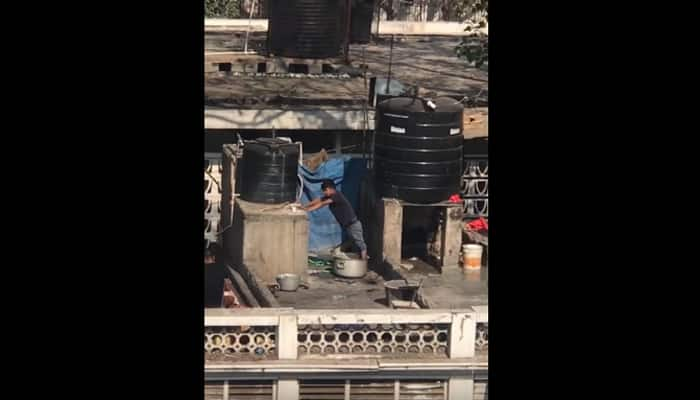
(471, 254)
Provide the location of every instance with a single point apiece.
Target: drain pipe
(301, 179)
(391, 58)
(348, 15)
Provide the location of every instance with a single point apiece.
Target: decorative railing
(475, 186)
(212, 195)
(387, 339)
(287, 334)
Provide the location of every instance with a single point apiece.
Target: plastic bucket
(471, 254)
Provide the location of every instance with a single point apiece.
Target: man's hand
(315, 205)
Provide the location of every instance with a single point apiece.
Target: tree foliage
(222, 8)
(475, 46)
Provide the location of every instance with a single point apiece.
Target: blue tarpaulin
(346, 173)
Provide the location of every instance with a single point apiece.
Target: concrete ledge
(346, 365)
(220, 118)
(439, 28)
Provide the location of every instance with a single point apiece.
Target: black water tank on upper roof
(361, 21)
(418, 149)
(305, 28)
(361, 14)
(269, 169)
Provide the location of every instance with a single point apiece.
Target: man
(342, 211)
(213, 278)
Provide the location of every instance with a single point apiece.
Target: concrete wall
(441, 28)
(269, 241)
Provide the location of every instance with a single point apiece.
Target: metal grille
(376, 389)
(239, 342)
(238, 390)
(322, 390)
(475, 186)
(212, 196)
(481, 390)
(213, 390)
(393, 339)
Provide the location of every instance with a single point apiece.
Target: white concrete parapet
(440, 28)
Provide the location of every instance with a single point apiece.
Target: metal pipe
(379, 14)
(347, 30)
(391, 57)
(250, 21)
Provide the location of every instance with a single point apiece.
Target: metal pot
(350, 267)
(289, 282)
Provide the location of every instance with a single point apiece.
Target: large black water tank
(305, 28)
(269, 171)
(361, 21)
(418, 149)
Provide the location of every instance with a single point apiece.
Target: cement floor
(455, 289)
(330, 292)
(451, 289)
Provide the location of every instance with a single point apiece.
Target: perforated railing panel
(212, 196)
(382, 339)
(481, 342)
(475, 186)
(224, 343)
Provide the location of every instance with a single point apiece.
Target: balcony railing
(288, 334)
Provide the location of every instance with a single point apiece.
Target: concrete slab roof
(427, 62)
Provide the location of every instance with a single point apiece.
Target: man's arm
(315, 205)
(312, 202)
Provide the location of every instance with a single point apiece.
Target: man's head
(210, 254)
(328, 187)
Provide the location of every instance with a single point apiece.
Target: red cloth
(478, 224)
(455, 198)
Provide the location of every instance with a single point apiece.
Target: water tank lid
(419, 105)
(272, 143)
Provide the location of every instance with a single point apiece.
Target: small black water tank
(269, 171)
(305, 28)
(418, 149)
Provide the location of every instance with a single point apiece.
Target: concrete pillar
(287, 337)
(287, 389)
(460, 388)
(338, 143)
(452, 236)
(392, 225)
(462, 336)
